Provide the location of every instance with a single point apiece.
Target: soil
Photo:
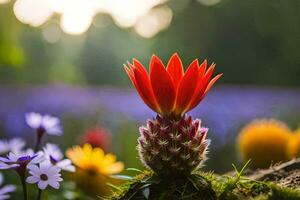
(285, 174)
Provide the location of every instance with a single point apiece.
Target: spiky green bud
(173, 148)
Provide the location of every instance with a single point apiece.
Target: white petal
(56, 130)
(45, 166)
(56, 179)
(6, 166)
(42, 184)
(16, 144)
(34, 120)
(69, 168)
(54, 170)
(66, 165)
(28, 152)
(4, 197)
(8, 189)
(4, 147)
(39, 158)
(64, 162)
(49, 122)
(34, 170)
(54, 184)
(32, 179)
(3, 159)
(59, 179)
(1, 179)
(12, 157)
(53, 151)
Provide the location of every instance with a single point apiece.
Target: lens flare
(77, 18)
(32, 12)
(4, 1)
(155, 21)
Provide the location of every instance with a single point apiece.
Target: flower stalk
(39, 196)
(39, 135)
(24, 186)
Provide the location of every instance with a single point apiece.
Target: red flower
(96, 136)
(170, 91)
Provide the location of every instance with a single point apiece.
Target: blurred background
(65, 58)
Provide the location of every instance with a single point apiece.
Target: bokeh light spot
(51, 33)
(4, 1)
(209, 2)
(126, 13)
(77, 18)
(155, 21)
(32, 12)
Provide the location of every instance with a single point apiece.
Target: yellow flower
(94, 168)
(264, 141)
(293, 149)
(94, 160)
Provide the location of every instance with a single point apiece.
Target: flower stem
(24, 186)
(39, 195)
(36, 148)
(39, 135)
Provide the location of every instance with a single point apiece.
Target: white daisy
(4, 147)
(44, 123)
(5, 189)
(20, 160)
(45, 174)
(13, 145)
(55, 156)
(16, 144)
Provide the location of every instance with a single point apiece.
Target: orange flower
(293, 149)
(169, 90)
(264, 141)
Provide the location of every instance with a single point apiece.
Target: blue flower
(44, 174)
(5, 189)
(55, 156)
(19, 161)
(44, 123)
(14, 145)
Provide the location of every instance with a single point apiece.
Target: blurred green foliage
(11, 53)
(252, 42)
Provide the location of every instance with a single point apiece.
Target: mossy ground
(201, 186)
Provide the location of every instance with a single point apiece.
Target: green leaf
(122, 177)
(134, 169)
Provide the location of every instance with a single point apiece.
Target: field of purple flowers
(224, 110)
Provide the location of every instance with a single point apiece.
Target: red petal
(140, 80)
(202, 85)
(187, 88)
(202, 69)
(162, 85)
(140, 67)
(130, 75)
(206, 78)
(212, 82)
(175, 69)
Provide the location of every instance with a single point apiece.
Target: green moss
(280, 193)
(201, 186)
(150, 186)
